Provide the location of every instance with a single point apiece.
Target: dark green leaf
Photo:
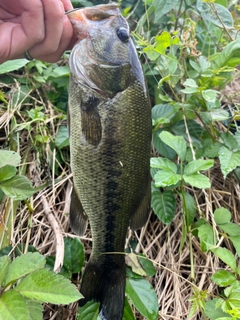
(73, 254)
(62, 137)
(89, 311)
(162, 7)
(205, 233)
(163, 111)
(229, 140)
(164, 205)
(147, 266)
(143, 297)
(223, 278)
(227, 53)
(17, 188)
(212, 312)
(4, 265)
(191, 208)
(162, 148)
(127, 312)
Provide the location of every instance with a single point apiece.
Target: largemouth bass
(110, 136)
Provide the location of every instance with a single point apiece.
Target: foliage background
(33, 123)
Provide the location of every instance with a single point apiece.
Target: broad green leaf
(222, 216)
(163, 111)
(62, 137)
(147, 266)
(217, 115)
(143, 297)
(212, 149)
(162, 148)
(230, 228)
(197, 165)
(166, 178)
(61, 71)
(12, 65)
(206, 236)
(226, 256)
(223, 278)
(35, 309)
(9, 158)
(209, 95)
(229, 140)
(164, 164)
(190, 83)
(23, 265)
(49, 287)
(236, 242)
(212, 312)
(163, 41)
(162, 7)
(227, 53)
(127, 312)
(177, 143)
(17, 188)
(191, 208)
(189, 90)
(89, 311)
(197, 180)
(216, 14)
(13, 306)
(164, 205)
(229, 160)
(4, 265)
(7, 172)
(73, 254)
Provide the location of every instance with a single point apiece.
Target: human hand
(37, 26)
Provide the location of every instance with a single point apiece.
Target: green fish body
(110, 138)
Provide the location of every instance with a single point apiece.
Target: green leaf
(49, 287)
(147, 266)
(227, 53)
(209, 95)
(206, 236)
(62, 137)
(197, 165)
(226, 256)
(189, 90)
(229, 140)
(127, 312)
(7, 172)
(190, 83)
(230, 228)
(162, 148)
(133, 262)
(73, 254)
(216, 14)
(166, 178)
(223, 278)
(143, 297)
(12, 65)
(13, 306)
(162, 7)
(197, 180)
(35, 309)
(17, 188)
(23, 265)
(9, 158)
(177, 143)
(89, 311)
(164, 205)
(4, 264)
(212, 312)
(229, 160)
(191, 208)
(164, 164)
(222, 216)
(165, 111)
(236, 242)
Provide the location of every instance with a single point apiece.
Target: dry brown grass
(48, 224)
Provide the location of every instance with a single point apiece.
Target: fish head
(102, 57)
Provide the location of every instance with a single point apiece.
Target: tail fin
(104, 281)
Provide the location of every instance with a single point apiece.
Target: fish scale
(110, 137)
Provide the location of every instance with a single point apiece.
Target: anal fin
(78, 218)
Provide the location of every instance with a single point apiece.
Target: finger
(54, 14)
(67, 5)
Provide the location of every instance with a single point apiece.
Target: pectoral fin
(78, 218)
(141, 214)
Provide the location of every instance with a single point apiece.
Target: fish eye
(123, 34)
